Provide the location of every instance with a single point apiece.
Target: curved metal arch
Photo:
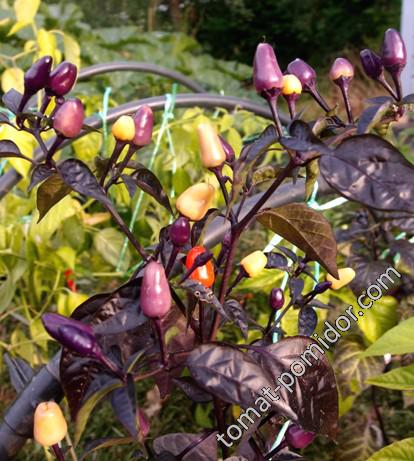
(207, 100)
(135, 66)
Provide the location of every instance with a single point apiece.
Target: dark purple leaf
(288, 252)
(406, 251)
(306, 228)
(197, 447)
(314, 399)
(233, 376)
(250, 155)
(49, 193)
(367, 272)
(9, 149)
(192, 390)
(372, 116)
(129, 318)
(295, 288)
(276, 261)
(39, 174)
(319, 304)
(149, 183)
(20, 372)
(302, 139)
(288, 456)
(81, 179)
(76, 373)
(11, 100)
(204, 294)
(370, 170)
(409, 99)
(238, 315)
(308, 319)
(124, 404)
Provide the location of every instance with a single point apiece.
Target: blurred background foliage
(74, 252)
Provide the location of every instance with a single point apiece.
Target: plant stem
(219, 413)
(201, 311)
(58, 452)
(225, 280)
(263, 199)
(381, 79)
(114, 157)
(164, 353)
(125, 229)
(53, 148)
(272, 101)
(131, 150)
(171, 261)
(379, 416)
(113, 367)
(396, 77)
(345, 95)
(220, 179)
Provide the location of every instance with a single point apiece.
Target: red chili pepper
(203, 274)
(70, 280)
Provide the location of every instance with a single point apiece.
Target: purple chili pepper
(267, 76)
(144, 122)
(155, 297)
(296, 437)
(62, 79)
(37, 76)
(180, 231)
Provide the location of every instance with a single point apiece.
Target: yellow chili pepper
(254, 263)
(211, 149)
(195, 201)
(124, 128)
(49, 424)
(291, 85)
(346, 275)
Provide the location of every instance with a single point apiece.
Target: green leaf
(398, 451)
(398, 340)
(109, 243)
(401, 379)
(379, 319)
(49, 193)
(351, 370)
(87, 408)
(309, 230)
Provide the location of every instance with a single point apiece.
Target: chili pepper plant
(116, 339)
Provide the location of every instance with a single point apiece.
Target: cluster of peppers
(136, 131)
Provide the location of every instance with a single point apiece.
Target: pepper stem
(164, 353)
(58, 452)
(272, 101)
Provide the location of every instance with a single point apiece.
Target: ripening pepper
(298, 438)
(50, 425)
(124, 128)
(37, 76)
(304, 72)
(155, 297)
(254, 263)
(180, 231)
(346, 275)
(203, 274)
(341, 68)
(68, 119)
(144, 122)
(276, 298)
(291, 85)
(228, 150)
(211, 149)
(195, 201)
(371, 63)
(62, 79)
(72, 334)
(393, 51)
(267, 76)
